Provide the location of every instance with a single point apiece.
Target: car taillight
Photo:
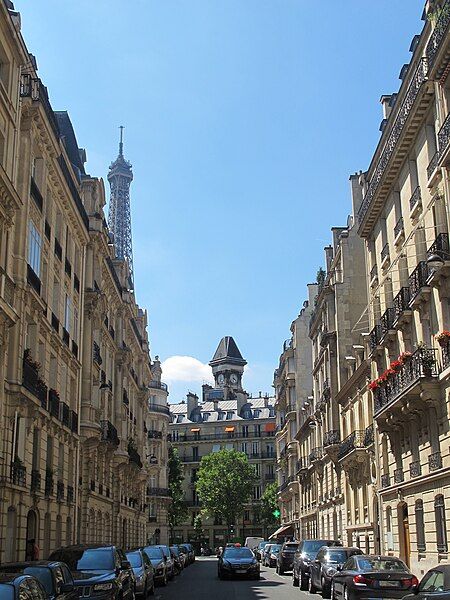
(410, 581)
(361, 579)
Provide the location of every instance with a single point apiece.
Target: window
(257, 414)
(271, 411)
(75, 325)
(257, 492)
(420, 528)
(257, 468)
(206, 416)
(441, 526)
(248, 413)
(220, 416)
(67, 313)
(216, 447)
(229, 415)
(34, 248)
(433, 582)
(245, 431)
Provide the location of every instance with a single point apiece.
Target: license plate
(387, 584)
(241, 571)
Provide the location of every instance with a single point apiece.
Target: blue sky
(244, 120)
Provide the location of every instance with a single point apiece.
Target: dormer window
(248, 413)
(256, 413)
(230, 414)
(180, 418)
(220, 416)
(206, 416)
(271, 411)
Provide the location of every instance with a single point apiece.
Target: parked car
(259, 550)
(21, 587)
(54, 576)
(170, 567)
(143, 572)
(285, 557)
(271, 555)
(307, 552)
(191, 551)
(238, 562)
(184, 550)
(178, 559)
(435, 585)
(373, 577)
(98, 571)
(157, 558)
(326, 564)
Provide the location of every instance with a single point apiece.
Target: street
(200, 582)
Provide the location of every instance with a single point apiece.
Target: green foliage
(225, 483)
(320, 277)
(269, 504)
(177, 512)
(198, 527)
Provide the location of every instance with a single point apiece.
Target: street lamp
(434, 261)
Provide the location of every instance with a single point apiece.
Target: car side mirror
(125, 564)
(64, 588)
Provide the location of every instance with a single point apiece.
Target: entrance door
(403, 531)
(31, 537)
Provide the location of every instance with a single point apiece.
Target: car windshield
(262, 544)
(90, 559)
(380, 564)
(338, 556)
(165, 551)
(175, 550)
(275, 548)
(237, 553)
(153, 552)
(135, 559)
(290, 547)
(313, 546)
(6, 591)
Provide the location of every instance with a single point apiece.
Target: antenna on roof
(121, 127)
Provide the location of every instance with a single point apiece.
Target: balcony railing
(352, 442)
(385, 252)
(418, 279)
(368, 436)
(33, 280)
(65, 414)
(135, 457)
(154, 434)
(374, 272)
(444, 136)
(435, 461)
(316, 454)
(157, 491)
(387, 321)
(109, 432)
(18, 474)
(433, 165)
(399, 228)
(398, 476)
(439, 34)
(331, 438)
(375, 337)
(416, 198)
(285, 484)
(420, 76)
(440, 247)
(158, 385)
(287, 344)
(34, 88)
(415, 469)
(35, 481)
(421, 364)
(74, 421)
(35, 193)
(401, 302)
(165, 410)
(385, 481)
(53, 403)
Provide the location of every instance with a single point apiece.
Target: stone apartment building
(226, 418)
(403, 220)
(293, 393)
(64, 476)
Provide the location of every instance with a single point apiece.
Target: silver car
(143, 573)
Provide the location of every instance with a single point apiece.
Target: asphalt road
(199, 582)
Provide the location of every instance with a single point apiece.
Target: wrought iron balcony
(135, 457)
(285, 484)
(385, 480)
(287, 345)
(433, 164)
(354, 441)
(398, 476)
(65, 414)
(399, 228)
(158, 385)
(435, 461)
(96, 354)
(74, 421)
(331, 438)
(375, 337)
(401, 302)
(157, 491)
(60, 490)
(316, 454)
(33, 280)
(374, 272)
(32, 87)
(415, 469)
(439, 34)
(387, 321)
(154, 434)
(440, 247)
(368, 436)
(385, 252)
(401, 120)
(416, 198)
(302, 464)
(109, 433)
(159, 409)
(35, 481)
(418, 279)
(444, 137)
(422, 364)
(53, 403)
(18, 474)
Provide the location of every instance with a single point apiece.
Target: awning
(270, 427)
(195, 429)
(282, 530)
(229, 429)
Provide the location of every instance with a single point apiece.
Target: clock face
(221, 378)
(233, 378)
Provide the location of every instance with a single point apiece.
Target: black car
(307, 552)
(54, 576)
(143, 572)
(21, 587)
(285, 558)
(100, 572)
(238, 561)
(187, 555)
(191, 551)
(170, 567)
(435, 585)
(373, 577)
(177, 558)
(158, 560)
(326, 564)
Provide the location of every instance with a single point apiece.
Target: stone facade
(227, 417)
(76, 456)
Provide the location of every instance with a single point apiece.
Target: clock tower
(228, 365)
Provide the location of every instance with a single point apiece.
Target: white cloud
(187, 369)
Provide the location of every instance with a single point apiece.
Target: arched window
(441, 526)
(420, 527)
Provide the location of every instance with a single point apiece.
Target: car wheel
(303, 581)
(325, 589)
(311, 587)
(294, 579)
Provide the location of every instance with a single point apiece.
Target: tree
(198, 527)
(225, 483)
(177, 512)
(269, 505)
